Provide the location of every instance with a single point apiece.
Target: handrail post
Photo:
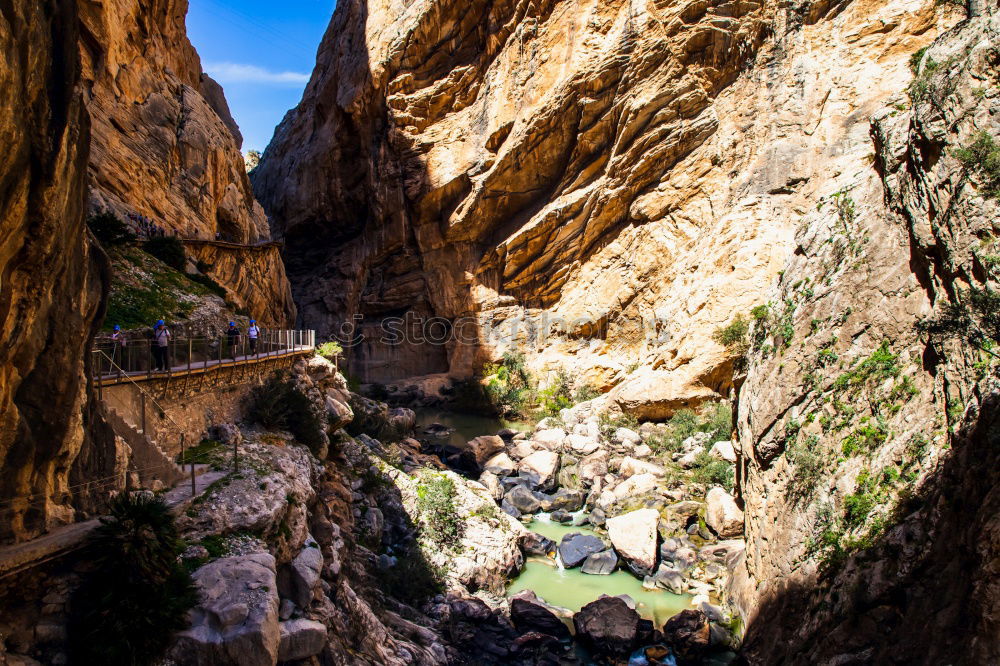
(142, 408)
(190, 352)
(149, 360)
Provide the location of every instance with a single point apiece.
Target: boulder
(688, 634)
(575, 548)
(726, 553)
(634, 536)
(485, 447)
(582, 444)
(535, 544)
(722, 514)
(627, 436)
(500, 464)
(600, 564)
(300, 578)
(687, 461)
(635, 485)
(593, 466)
(631, 466)
(667, 578)
(543, 465)
(491, 482)
(338, 414)
(607, 626)
(301, 639)
(522, 449)
(564, 500)
(560, 516)
(529, 613)
(509, 509)
(676, 517)
(522, 499)
(236, 619)
(549, 438)
(723, 450)
(680, 553)
(642, 451)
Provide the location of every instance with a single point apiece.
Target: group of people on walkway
(144, 227)
(160, 343)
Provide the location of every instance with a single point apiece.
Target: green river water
(572, 589)
(566, 588)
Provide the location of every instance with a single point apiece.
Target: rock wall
(868, 446)
(165, 145)
(50, 275)
(632, 171)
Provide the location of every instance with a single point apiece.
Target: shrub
(982, 157)
(203, 453)
(436, 502)
(329, 350)
(138, 594)
(734, 335)
(109, 230)
(584, 393)
(808, 466)
(169, 250)
(413, 580)
(709, 471)
(916, 58)
(558, 395)
(509, 386)
(278, 403)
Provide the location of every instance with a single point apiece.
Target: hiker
(252, 333)
(161, 340)
(117, 346)
(233, 336)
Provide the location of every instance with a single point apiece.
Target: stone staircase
(151, 462)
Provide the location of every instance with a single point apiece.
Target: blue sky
(261, 52)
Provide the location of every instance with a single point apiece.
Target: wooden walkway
(230, 245)
(69, 538)
(202, 367)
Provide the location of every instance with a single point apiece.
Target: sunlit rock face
(165, 145)
(634, 170)
(50, 277)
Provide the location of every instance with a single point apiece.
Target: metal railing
(141, 356)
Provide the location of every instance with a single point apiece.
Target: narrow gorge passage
(499, 332)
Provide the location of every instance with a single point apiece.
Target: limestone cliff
(50, 277)
(635, 170)
(165, 145)
(869, 441)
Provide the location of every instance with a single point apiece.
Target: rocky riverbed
(370, 544)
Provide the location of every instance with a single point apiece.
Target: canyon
(658, 208)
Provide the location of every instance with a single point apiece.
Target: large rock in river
(607, 626)
(634, 537)
(688, 634)
(575, 548)
(485, 447)
(522, 499)
(542, 466)
(600, 564)
(529, 613)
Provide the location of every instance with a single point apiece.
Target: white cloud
(232, 72)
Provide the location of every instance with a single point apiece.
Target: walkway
(200, 367)
(262, 245)
(64, 540)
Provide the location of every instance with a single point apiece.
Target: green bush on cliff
(278, 403)
(436, 502)
(110, 231)
(138, 594)
(508, 385)
(982, 157)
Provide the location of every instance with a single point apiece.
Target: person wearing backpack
(233, 337)
(117, 346)
(161, 342)
(253, 332)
